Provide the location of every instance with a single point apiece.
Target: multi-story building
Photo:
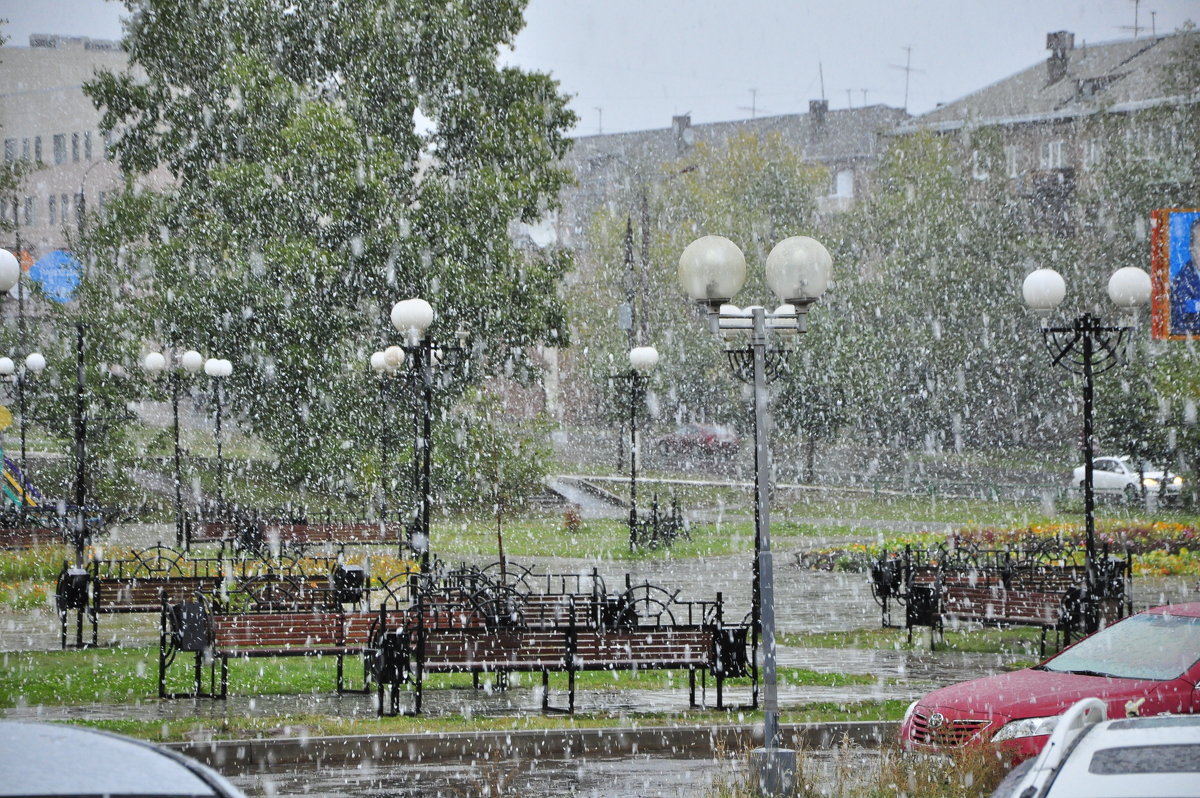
(613, 167)
(1058, 121)
(48, 123)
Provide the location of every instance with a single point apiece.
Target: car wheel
(1132, 494)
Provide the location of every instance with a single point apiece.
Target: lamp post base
(773, 771)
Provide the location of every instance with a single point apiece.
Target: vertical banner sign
(1175, 273)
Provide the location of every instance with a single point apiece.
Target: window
(52, 211)
(64, 208)
(844, 186)
(60, 148)
(80, 209)
(1012, 160)
(25, 149)
(37, 149)
(1093, 153)
(28, 211)
(979, 165)
(87, 145)
(75, 147)
(10, 150)
(1052, 155)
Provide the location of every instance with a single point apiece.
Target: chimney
(1060, 44)
(681, 126)
(817, 110)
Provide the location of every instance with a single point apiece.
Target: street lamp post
(642, 360)
(1087, 347)
(218, 369)
(412, 318)
(154, 364)
(386, 363)
(712, 269)
(35, 363)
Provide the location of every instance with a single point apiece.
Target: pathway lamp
(387, 364)
(1086, 346)
(712, 269)
(642, 361)
(218, 370)
(174, 364)
(34, 364)
(412, 319)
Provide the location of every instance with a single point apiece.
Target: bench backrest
(143, 594)
(282, 630)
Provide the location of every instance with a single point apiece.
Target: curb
(684, 742)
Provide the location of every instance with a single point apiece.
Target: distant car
(41, 759)
(1118, 476)
(1089, 755)
(1146, 664)
(700, 439)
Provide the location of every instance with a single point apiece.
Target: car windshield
(1143, 647)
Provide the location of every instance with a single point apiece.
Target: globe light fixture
(712, 269)
(1086, 346)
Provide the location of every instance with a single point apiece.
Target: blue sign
(58, 274)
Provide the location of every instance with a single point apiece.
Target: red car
(1146, 664)
(708, 440)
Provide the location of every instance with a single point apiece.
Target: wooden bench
(1001, 588)
(254, 532)
(134, 583)
(29, 537)
(212, 635)
(411, 645)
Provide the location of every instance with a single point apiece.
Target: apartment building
(48, 123)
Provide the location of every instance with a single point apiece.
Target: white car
(1089, 756)
(44, 759)
(1118, 476)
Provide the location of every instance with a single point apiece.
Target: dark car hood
(1008, 694)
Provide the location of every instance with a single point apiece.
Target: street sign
(58, 274)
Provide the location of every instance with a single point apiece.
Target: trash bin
(72, 592)
(349, 583)
(189, 626)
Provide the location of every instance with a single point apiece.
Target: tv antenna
(908, 70)
(1135, 27)
(753, 107)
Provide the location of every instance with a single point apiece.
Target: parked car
(709, 440)
(1089, 755)
(1118, 476)
(1146, 664)
(41, 759)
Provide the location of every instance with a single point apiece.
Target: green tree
(936, 342)
(329, 158)
(756, 190)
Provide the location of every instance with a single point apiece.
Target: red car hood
(1029, 693)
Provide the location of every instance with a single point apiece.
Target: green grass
(127, 675)
(1015, 641)
(243, 727)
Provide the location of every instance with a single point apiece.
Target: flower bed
(1160, 549)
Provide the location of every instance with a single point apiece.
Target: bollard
(773, 771)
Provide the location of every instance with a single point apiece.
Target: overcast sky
(633, 64)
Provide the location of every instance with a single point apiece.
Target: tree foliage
(327, 159)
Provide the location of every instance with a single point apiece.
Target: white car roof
(1157, 756)
(51, 759)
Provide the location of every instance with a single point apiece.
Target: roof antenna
(599, 120)
(821, 74)
(1136, 28)
(907, 70)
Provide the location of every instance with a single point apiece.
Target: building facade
(52, 128)
(1050, 130)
